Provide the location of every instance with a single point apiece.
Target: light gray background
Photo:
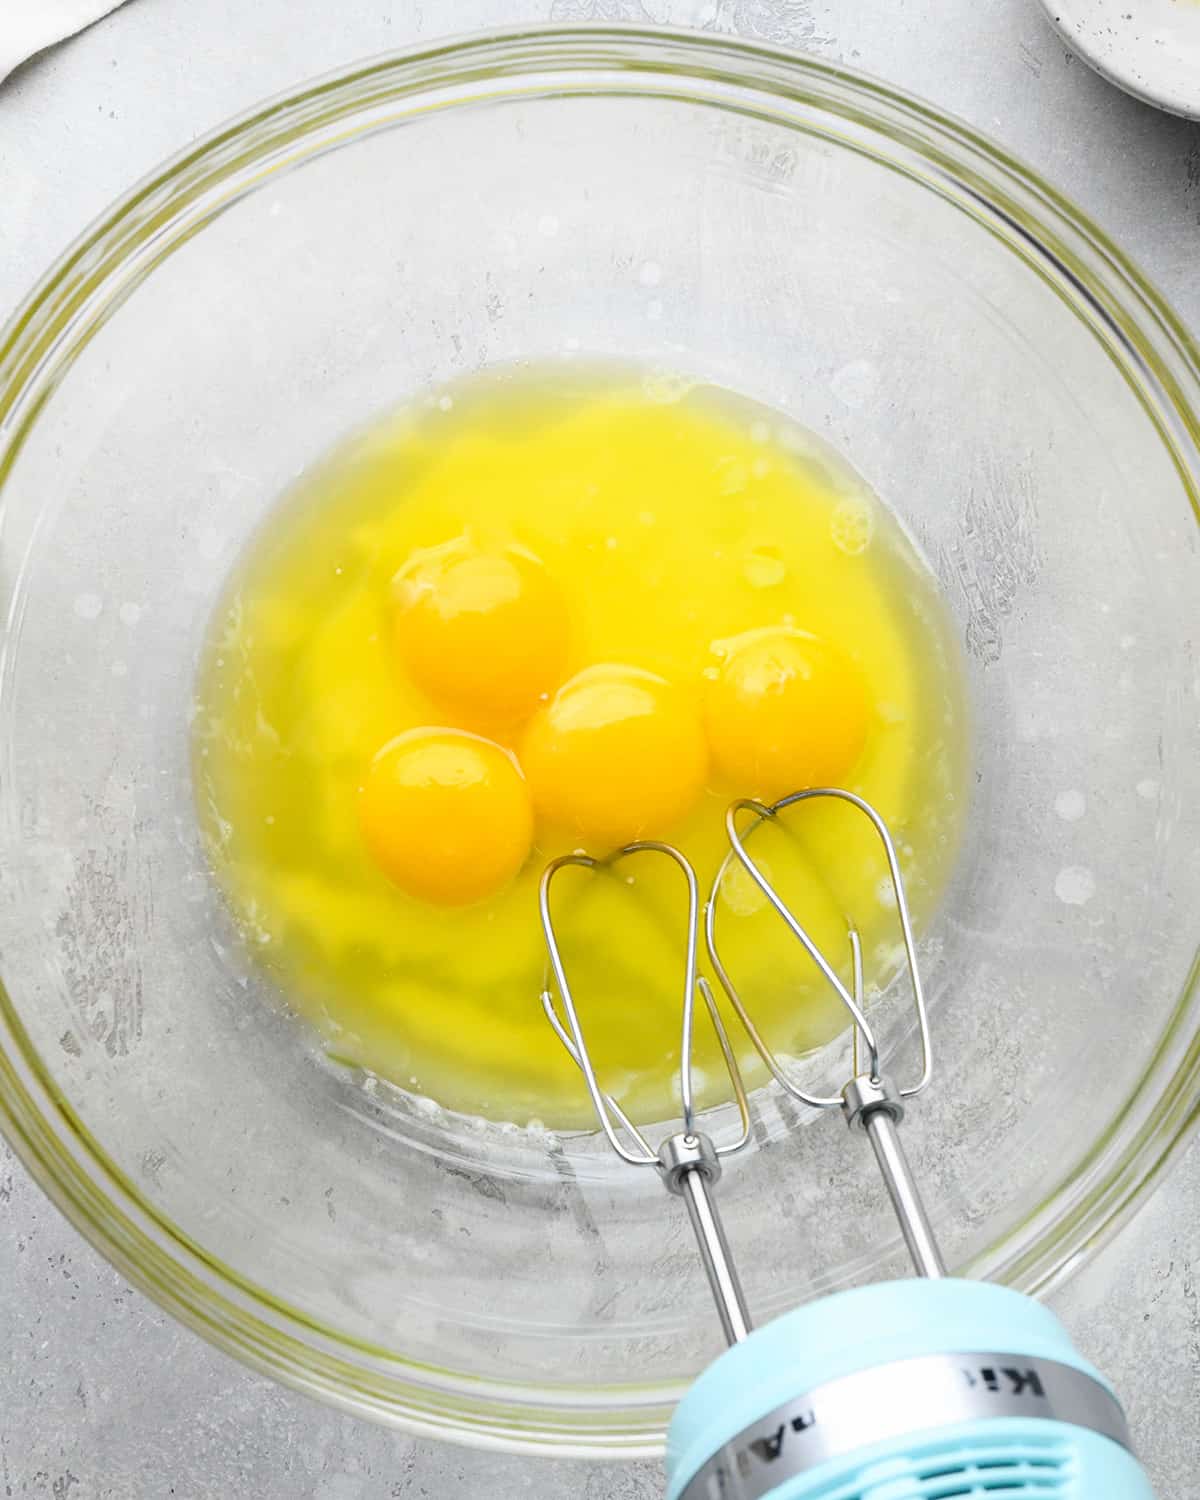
(101, 1396)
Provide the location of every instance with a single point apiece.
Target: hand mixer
(920, 1389)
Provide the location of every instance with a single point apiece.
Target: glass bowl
(1001, 375)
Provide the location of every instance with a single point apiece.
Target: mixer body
(906, 1390)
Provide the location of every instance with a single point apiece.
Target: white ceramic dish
(1149, 48)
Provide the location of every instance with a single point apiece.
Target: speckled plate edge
(1149, 48)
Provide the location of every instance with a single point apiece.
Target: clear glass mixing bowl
(996, 369)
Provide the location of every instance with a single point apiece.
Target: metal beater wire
(766, 812)
(605, 1106)
(573, 1053)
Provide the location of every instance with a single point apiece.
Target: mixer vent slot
(1022, 1471)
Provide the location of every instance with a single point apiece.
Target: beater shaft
(689, 1166)
(714, 1256)
(902, 1190)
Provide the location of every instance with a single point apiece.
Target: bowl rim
(1155, 353)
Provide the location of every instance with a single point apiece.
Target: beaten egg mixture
(556, 610)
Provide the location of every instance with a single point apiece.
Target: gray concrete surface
(101, 1396)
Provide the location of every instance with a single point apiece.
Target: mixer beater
(921, 1389)
(688, 1161)
(870, 1101)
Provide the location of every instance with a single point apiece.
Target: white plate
(1150, 48)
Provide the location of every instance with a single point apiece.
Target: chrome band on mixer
(842, 1417)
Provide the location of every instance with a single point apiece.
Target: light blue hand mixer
(921, 1389)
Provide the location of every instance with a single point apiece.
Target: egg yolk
(786, 710)
(446, 815)
(618, 754)
(483, 632)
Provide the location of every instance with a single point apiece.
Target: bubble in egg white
(852, 526)
(888, 956)
(740, 892)
(734, 476)
(763, 568)
(664, 386)
(700, 1082)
